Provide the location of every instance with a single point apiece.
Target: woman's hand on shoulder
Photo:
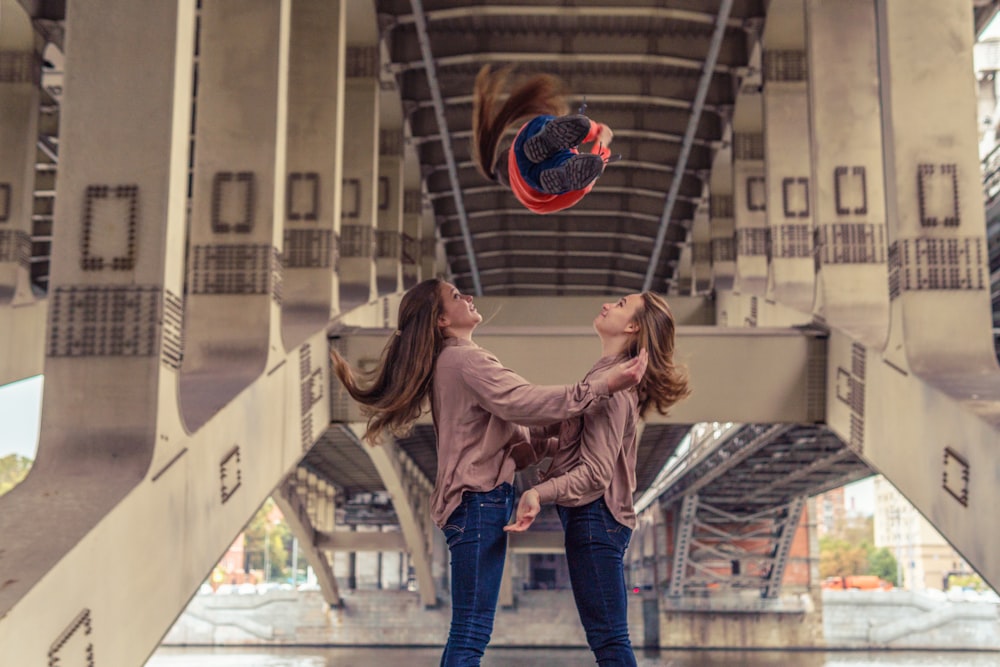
(628, 373)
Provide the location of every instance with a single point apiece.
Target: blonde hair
(665, 382)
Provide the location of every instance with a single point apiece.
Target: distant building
(923, 555)
(831, 509)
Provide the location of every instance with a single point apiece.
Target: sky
(20, 417)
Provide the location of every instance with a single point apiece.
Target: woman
(476, 404)
(543, 169)
(592, 475)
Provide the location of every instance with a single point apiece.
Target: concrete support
(722, 225)
(19, 93)
(785, 367)
(389, 232)
(432, 261)
(360, 195)
(22, 317)
(293, 498)
(938, 257)
(847, 200)
(749, 184)
(787, 151)
(411, 254)
(317, 58)
(115, 308)
(701, 251)
(410, 492)
(237, 202)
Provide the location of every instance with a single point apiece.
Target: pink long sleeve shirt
(594, 455)
(477, 405)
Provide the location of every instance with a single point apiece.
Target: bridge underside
(182, 243)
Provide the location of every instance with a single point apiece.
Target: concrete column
(22, 318)
(701, 251)
(722, 230)
(237, 202)
(431, 255)
(749, 184)
(315, 166)
(939, 280)
(848, 200)
(786, 147)
(389, 232)
(19, 93)
(115, 307)
(360, 196)
(412, 205)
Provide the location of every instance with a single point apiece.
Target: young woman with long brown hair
(592, 474)
(543, 167)
(476, 405)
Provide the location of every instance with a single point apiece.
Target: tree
(264, 542)
(840, 558)
(883, 564)
(13, 469)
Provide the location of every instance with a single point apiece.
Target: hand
(527, 509)
(605, 135)
(628, 374)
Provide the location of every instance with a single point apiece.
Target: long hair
(392, 395)
(664, 382)
(537, 95)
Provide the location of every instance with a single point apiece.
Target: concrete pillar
(237, 202)
(22, 318)
(848, 200)
(722, 230)
(19, 93)
(701, 251)
(360, 195)
(115, 307)
(310, 290)
(939, 280)
(389, 233)
(787, 165)
(431, 255)
(412, 205)
(749, 184)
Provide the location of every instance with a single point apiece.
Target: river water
(508, 657)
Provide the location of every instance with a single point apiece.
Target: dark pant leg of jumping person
(595, 550)
(478, 548)
(562, 171)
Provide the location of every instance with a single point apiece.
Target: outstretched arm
(509, 396)
(601, 441)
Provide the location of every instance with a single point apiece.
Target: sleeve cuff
(546, 492)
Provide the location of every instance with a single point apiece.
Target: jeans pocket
(455, 528)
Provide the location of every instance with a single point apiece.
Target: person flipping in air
(543, 167)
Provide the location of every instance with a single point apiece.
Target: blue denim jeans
(478, 548)
(595, 551)
(531, 172)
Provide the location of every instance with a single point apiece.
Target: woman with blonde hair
(543, 167)
(592, 475)
(477, 406)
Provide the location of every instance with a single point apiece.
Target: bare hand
(628, 374)
(527, 509)
(605, 135)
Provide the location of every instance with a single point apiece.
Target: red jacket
(539, 202)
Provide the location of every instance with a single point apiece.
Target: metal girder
(682, 544)
(294, 497)
(432, 81)
(410, 491)
(699, 100)
(789, 526)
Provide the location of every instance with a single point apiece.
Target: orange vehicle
(864, 582)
